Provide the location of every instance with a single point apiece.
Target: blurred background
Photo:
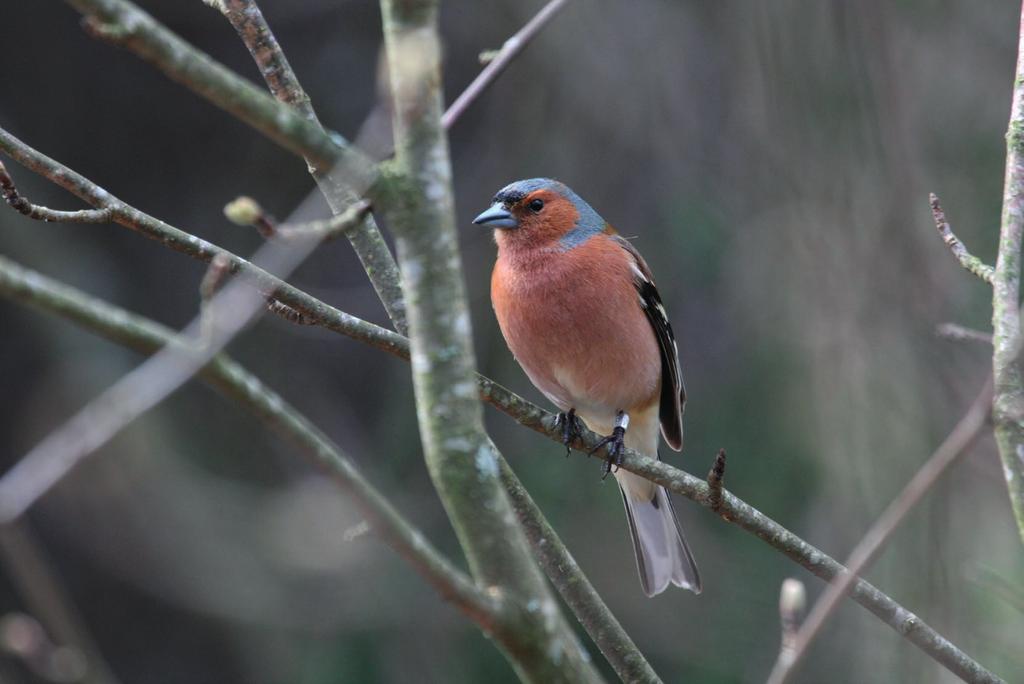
(773, 161)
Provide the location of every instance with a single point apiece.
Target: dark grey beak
(497, 217)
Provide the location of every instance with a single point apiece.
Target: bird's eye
(536, 205)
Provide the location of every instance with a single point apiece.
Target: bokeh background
(773, 161)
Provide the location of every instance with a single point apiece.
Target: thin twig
(40, 213)
(508, 52)
(959, 333)
(1006, 316)
(236, 383)
(525, 413)
(245, 211)
(955, 445)
(959, 250)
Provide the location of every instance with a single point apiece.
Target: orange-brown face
(531, 213)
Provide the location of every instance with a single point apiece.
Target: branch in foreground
(574, 587)
(959, 250)
(867, 549)
(1006, 332)
(420, 209)
(524, 412)
(32, 288)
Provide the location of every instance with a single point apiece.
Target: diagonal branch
(508, 52)
(236, 383)
(955, 445)
(21, 205)
(732, 509)
(125, 24)
(958, 248)
(1008, 404)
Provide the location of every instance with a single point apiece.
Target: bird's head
(540, 212)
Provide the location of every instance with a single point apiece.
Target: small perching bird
(578, 308)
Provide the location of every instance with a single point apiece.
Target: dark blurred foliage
(773, 160)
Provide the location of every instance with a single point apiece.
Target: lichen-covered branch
(1008, 404)
(418, 203)
(21, 205)
(29, 287)
(574, 587)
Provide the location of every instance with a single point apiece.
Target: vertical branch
(575, 589)
(1008, 402)
(417, 200)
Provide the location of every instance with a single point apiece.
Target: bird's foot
(571, 428)
(615, 442)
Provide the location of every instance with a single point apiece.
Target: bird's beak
(497, 217)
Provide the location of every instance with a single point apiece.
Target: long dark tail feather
(662, 556)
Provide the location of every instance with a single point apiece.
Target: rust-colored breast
(574, 322)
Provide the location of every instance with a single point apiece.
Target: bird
(579, 310)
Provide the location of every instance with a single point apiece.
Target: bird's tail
(662, 556)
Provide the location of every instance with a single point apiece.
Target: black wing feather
(673, 390)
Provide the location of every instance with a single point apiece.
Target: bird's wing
(673, 391)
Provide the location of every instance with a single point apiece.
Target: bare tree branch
(236, 383)
(508, 52)
(245, 211)
(419, 206)
(955, 445)
(246, 17)
(574, 587)
(34, 211)
(959, 250)
(126, 25)
(1007, 410)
